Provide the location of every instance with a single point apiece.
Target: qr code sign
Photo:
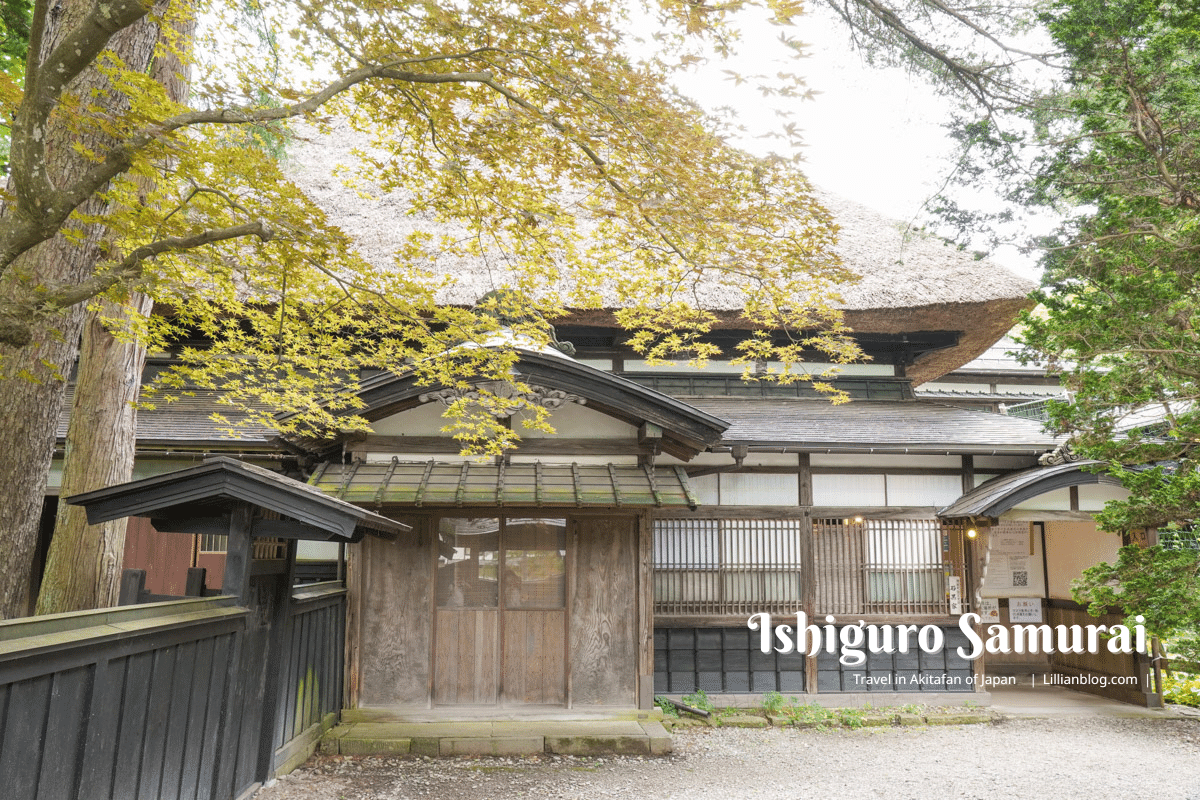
(1021, 578)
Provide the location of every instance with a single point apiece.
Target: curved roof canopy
(686, 430)
(1001, 494)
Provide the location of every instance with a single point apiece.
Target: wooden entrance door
(501, 619)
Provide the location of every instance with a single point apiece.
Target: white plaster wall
(574, 421)
(849, 490)
(923, 490)
(1072, 547)
(1058, 500)
(759, 489)
(1092, 497)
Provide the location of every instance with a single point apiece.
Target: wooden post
(645, 584)
(808, 565)
(133, 583)
(238, 554)
(197, 577)
(279, 651)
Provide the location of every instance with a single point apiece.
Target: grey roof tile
(859, 425)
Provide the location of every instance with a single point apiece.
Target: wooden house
(621, 557)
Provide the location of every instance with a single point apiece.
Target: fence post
(133, 583)
(197, 577)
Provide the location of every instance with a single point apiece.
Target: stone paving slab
(570, 728)
(493, 746)
(499, 737)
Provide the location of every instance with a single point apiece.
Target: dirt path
(1093, 758)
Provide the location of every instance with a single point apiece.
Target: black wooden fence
(198, 698)
(312, 695)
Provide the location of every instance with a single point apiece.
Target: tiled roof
(187, 421)
(1000, 494)
(431, 483)
(866, 425)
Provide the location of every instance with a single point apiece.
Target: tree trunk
(83, 569)
(34, 377)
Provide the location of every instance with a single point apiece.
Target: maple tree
(561, 157)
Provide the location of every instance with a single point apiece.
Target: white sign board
(989, 610)
(954, 593)
(1024, 609)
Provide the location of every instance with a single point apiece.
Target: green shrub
(1182, 689)
(772, 702)
(699, 700)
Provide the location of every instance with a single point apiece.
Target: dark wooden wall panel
(394, 621)
(604, 613)
(135, 708)
(108, 689)
(68, 704)
(24, 732)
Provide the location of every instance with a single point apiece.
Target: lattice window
(877, 566)
(727, 566)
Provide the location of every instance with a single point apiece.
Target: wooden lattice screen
(727, 566)
(745, 566)
(896, 567)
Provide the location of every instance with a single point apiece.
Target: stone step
(499, 738)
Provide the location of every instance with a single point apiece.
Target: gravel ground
(1081, 757)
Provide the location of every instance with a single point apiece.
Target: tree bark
(34, 376)
(83, 569)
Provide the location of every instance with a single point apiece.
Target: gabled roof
(219, 483)
(1000, 494)
(883, 427)
(686, 430)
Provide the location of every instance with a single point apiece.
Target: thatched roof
(910, 281)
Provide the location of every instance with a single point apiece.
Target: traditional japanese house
(622, 556)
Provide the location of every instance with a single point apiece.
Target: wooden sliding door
(501, 626)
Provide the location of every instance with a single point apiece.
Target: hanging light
(972, 533)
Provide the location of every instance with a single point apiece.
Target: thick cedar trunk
(84, 565)
(34, 378)
(83, 569)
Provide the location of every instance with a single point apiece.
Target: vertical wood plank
(218, 694)
(178, 722)
(158, 713)
(808, 599)
(393, 658)
(193, 746)
(135, 705)
(103, 723)
(604, 614)
(21, 759)
(69, 701)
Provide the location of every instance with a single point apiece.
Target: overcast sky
(873, 135)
